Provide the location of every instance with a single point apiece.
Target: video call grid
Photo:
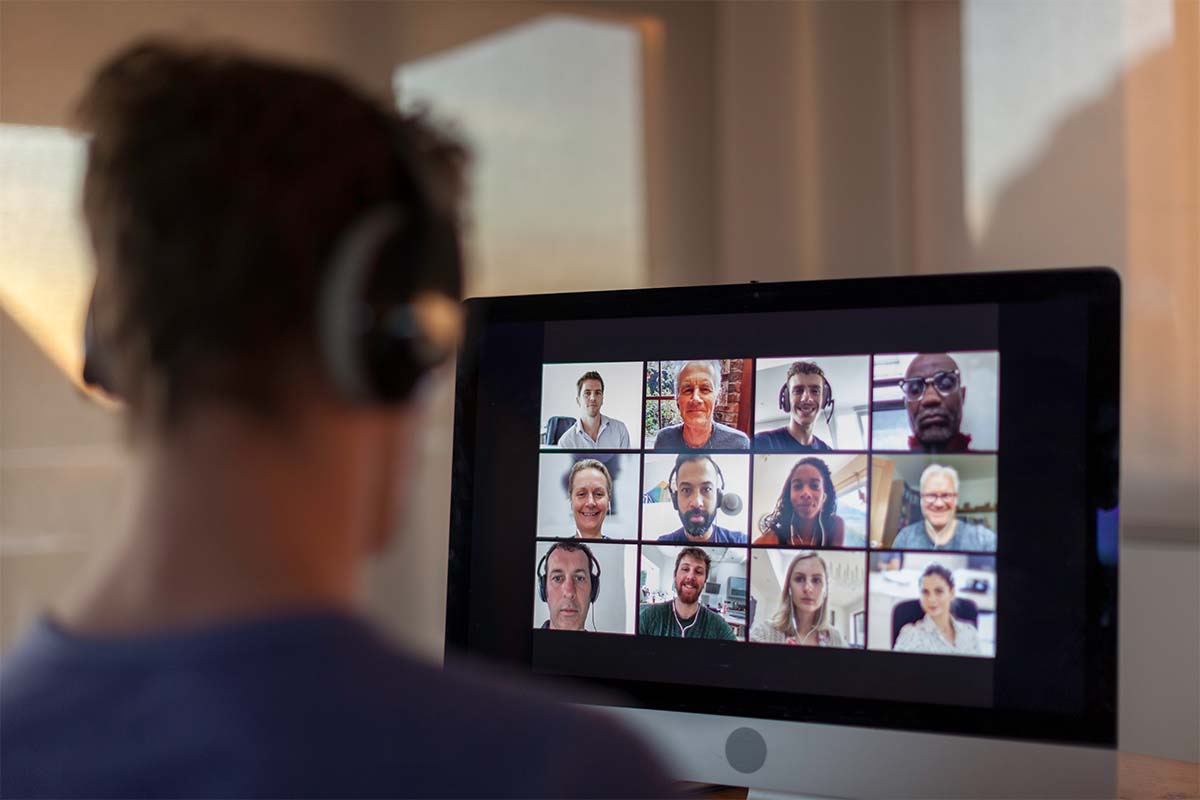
(751, 451)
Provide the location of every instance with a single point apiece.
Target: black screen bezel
(1097, 292)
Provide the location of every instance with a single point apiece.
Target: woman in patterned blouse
(939, 631)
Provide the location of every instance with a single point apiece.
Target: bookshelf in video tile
(825, 501)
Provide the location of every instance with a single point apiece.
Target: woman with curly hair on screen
(804, 515)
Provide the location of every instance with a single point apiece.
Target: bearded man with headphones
(277, 273)
(804, 395)
(697, 488)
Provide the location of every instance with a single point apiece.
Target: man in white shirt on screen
(593, 430)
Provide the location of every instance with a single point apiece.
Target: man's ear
(963, 390)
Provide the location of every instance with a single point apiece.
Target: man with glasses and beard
(934, 395)
(697, 488)
(684, 617)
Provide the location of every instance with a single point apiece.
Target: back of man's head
(218, 187)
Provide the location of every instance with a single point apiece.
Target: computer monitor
(912, 481)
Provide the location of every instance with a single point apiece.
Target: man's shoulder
(572, 437)
(654, 615)
(726, 535)
(714, 623)
(615, 423)
(977, 534)
(725, 436)
(676, 535)
(772, 439)
(910, 535)
(670, 436)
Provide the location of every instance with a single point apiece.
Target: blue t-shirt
(719, 536)
(722, 437)
(969, 536)
(314, 705)
(780, 440)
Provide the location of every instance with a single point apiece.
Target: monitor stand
(770, 794)
(804, 759)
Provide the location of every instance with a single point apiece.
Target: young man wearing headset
(277, 268)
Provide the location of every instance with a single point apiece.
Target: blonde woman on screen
(802, 616)
(589, 485)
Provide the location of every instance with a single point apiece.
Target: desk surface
(1138, 777)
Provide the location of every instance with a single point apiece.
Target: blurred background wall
(629, 144)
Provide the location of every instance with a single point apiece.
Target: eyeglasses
(945, 383)
(939, 497)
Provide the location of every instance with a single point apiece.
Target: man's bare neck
(591, 425)
(801, 433)
(944, 534)
(696, 437)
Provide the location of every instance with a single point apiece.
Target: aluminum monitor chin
(903, 491)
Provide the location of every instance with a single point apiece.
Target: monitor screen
(906, 487)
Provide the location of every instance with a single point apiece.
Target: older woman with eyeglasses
(940, 528)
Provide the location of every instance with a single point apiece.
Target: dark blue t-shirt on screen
(315, 705)
(719, 536)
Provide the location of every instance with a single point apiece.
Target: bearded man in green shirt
(684, 616)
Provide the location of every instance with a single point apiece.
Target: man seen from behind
(276, 270)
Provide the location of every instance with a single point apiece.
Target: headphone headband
(684, 458)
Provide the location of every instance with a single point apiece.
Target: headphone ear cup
(541, 573)
(828, 399)
(595, 585)
(785, 405)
